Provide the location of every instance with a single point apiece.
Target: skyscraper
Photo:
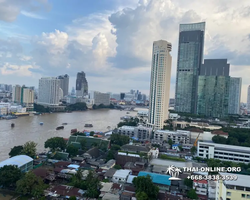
(248, 98)
(213, 88)
(49, 91)
(160, 83)
(190, 56)
(64, 84)
(234, 96)
(81, 85)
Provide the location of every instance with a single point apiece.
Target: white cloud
(31, 15)
(18, 70)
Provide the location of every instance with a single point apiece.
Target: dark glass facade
(190, 55)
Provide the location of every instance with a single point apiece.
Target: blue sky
(111, 40)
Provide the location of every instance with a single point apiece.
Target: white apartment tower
(160, 83)
(49, 91)
(248, 98)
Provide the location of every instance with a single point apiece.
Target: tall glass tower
(190, 56)
(160, 83)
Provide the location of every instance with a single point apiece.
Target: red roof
(201, 181)
(219, 132)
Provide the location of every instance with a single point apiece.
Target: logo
(174, 172)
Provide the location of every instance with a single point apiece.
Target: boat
(8, 117)
(59, 127)
(12, 125)
(64, 123)
(88, 125)
(127, 112)
(73, 130)
(41, 123)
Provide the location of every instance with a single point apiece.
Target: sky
(111, 40)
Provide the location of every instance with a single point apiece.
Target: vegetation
(165, 157)
(9, 176)
(55, 143)
(83, 144)
(29, 149)
(170, 142)
(91, 184)
(110, 155)
(188, 182)
(16, 150)
(119, 139)
(72, 198)
(41, 108)
(193, 150)
(115, 147)
(192, 194)
(129, 122)
(79, 106)
(117, 167)
(72, 150)
(169, 125)
(236, 136)
(30, 184)
(145, 189)
(111, 106)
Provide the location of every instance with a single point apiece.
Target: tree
(29, 149)
(79, 106)
(91, 133)
(119, 139)
(192, 194)
(72, 198)
(115, 147)
(219, 139)
(55, 143)
(180, 148)
(141, 196)
(16, 150)
(72, 150)
(9, 176)
(93, 185)
(170, 142)
(145, 184)
(30, 184)
(83, 144)
(193, 150)
(117, 167)
(188, 182)
(110, 155)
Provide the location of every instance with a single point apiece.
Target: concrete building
(23, 162)
(201, 187)
(223, 152)
(23, 96)
(64, 84)
(16, 93)
(231, 190)
(81, 84)
(121, 176)
(100, 98)
(160, 83)
(178, 136)
(6, 105)
(3, 110)
(190, 57)
(234, 95)
(49, 92)
(140, 132)
(213, 88)
(248, 98)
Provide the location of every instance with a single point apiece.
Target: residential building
(6, 105)
(64, 84)
(16, 93)
(3, 110)
(81, 84)
(223, 152)
(234, 96)
(49, 92)
(23, 96)
(140, 132)
(178, 136)
(121, 175)
(190, 57)
(213, 88)
(160, 83)
(248, 98)
(201, 187)
(232, 190)
(98, 98)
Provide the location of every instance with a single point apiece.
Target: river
(28, 128)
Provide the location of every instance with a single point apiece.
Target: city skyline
(106, 41)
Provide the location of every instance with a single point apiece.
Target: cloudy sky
(111, 40)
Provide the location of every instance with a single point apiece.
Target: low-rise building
(178, 136)
(223, 152)
(3, 110)
(23, 162)
(121, 175)
(108, 165)
(201, 187)
(7, 105)
(230, 190)
(140, 132)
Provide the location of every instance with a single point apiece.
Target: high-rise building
(81, 85)
(248, 98)
(16, 93)
(234, 96)
(23, 96)
(213, 88)
(122, 96)
(160, 83)
(64, 84)
(190, 56)
(49, 91)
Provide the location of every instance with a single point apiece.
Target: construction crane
(195, 143)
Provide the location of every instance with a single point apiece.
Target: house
(135, 148)
(121, 175)
(106, 188)
(108, 165)
(110, 173)
(44, 174)
(77, 159)
(123, 158)
(109, 196)
(130, 179)
(201, 187)
(135, 167)
(64, 191)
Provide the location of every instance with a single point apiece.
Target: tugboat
(41, 123)
(12, 125)
(88, 125)
(59, 127)
(64, 123)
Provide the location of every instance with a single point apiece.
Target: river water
(28, 128)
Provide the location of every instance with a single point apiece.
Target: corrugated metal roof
(157, 178)
(19, 160)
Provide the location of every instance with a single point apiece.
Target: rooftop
(161, 162)
(242, 180)
(157, 178)
(130, 178)
(122, 173)
(19, 160)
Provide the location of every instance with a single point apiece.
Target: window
(228, 199)
(228, 193)
(248, 196)
(243, 196)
